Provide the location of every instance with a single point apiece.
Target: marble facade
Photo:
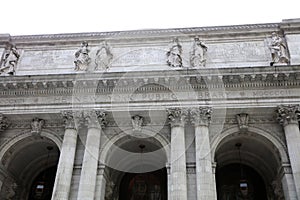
(106, 110)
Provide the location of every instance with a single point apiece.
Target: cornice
(247, 28)
(197, 79)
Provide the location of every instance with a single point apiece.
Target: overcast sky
(24, 17)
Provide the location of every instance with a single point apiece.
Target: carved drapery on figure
(82, 58)
(103, 57)
(4, 123)
(37, 125)
(243, 121)
(278, 50)
(177, 116)
(201, 116)
(198, 53)
(9, 61)
(174, 54)
(288, 114)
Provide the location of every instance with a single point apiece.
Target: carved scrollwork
(287, 114)
(4, 123)
(70, 118)
(243, 121)
(201, 116)
(137, 123)
(37, 125)
(177, 116)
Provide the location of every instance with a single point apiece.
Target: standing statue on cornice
(9, 61)
(278, 50)
(103, 57)
(174, 55)
(198, 53)
(82, 58)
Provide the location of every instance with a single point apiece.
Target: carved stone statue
(278, 50)
(174, 54)
(277, 188)
(82, 58)
(198, 53)
(9, 61)
(103, 57)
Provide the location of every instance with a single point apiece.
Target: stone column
(285, 186)
(206, 188)
(87, 184)
(178, 187)
(100, 183)
(64, 172)
(288, 116)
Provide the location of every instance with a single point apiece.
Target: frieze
(151, 96)
(237, 52)
(140, 56)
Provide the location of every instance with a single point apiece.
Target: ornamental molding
(4, 122)
(201, 116)
(287, 114)
(177, 116)
(135, 33)
(284, 76)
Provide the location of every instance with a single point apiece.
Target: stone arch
(111, 141)
(114, 174)
(21, 136)
(25, 156)
(253, 130)
(259, 150)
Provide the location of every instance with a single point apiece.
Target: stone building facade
(181, 114)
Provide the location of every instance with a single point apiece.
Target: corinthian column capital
(70, 118)
(177, 116)
(201, 116)
(287, 114)
(95, 118)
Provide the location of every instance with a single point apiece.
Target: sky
(32, 17)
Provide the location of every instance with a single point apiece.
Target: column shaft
(88, 175)
(178, 164)
(64, 172)
(292, 135)
(288, 187)
(206, 188)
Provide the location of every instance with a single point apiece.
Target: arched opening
(247, 165)
(229, 183)
(30, 165)
(136, 170)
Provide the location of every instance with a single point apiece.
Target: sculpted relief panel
(178, 53)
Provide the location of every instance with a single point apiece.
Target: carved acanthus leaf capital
(243, 121)
(177, 116)
(70, 118)
(287, 114)
(201, 116)
(95, 118)
(37, 125)
(4, 123)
